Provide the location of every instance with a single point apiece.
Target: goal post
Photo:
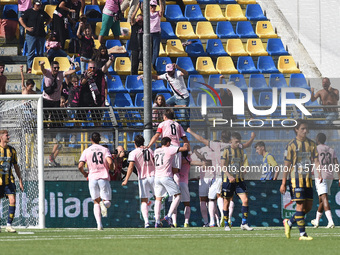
(22, 116)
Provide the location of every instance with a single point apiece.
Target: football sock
(318, 216)
(300, 220)
(157, 210)
(97, 214)
(204, 211)
(244, 211)
(212, 212)
(174, 204)
(144, 209)
(292, 220)
(226, 217)
(231, 208)
(220, 205)
(329, 217)
(187, 212)
(11, 212)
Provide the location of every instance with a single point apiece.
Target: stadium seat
(36, 67)
(187, 2)
(192, 101)
(224, 29)
(298, 80)
(186, 64)
(275, 47)
(115, 85)
(174, 48)
(96, 44)
(194, 82)
(258, 82)
(50, 9)
(213, 12)
(264, 29)
(226, 1)
(97, 31)
(193, 13)
(204, 65)
(162, 52)
(207, 2)
(246, 65)
(235, 48)
(215, 79)
(122, 66)
(245, 96)
(184, 30)
(265, 99)
(255, 47)
(64, 63)
(225, 65)
(158, 87)
(89, 8)
(173, 13)
(111, 43)
(166, 31)
(125, 27)
(266, 65)
(277, 81)
(239, 81)
(286, 64)
(205, 30)
(254, 12)
(195, 49)
(161, 62)
(123, 100)
(133, 85)
(9, 10)
(211, 102)
(246, 1)
(289, 95)
(215, 48)
(244, 29)
(233, 12)
(139, 100)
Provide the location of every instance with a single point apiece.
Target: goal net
(21, 116)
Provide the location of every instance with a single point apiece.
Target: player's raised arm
(128, 173)
(81, 168)
(198, 137)
(184, 148)
(250, 141)
(17, 171)
(153, 140)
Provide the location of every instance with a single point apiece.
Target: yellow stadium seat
(204, 65)
(189, 2)
(264, 29)
(122, 66)
(3, 2)
(235, 48)
(125, 26)
(233, 12)
(64, 63)
(101, 2)
(255, 48)
(162, 52)
(36, 67)
(96, 44)
(174, 48)
(50, 9)
(205, 30)
(246, 1)
(184, 30)
(213, 12)
(225, 65)
(286, 64)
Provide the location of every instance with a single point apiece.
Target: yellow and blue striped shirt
(8, 158)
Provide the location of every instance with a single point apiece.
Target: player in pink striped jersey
(143, 159)
(164, 181)
(99, 162)
(328, 164)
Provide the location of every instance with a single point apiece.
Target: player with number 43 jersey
(99, 162)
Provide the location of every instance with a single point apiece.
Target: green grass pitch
(168, 241)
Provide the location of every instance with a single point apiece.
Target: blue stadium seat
(193, 13)
(111, 43)
(92, 7)
(139, 100)
(7, 8)
(254, 12)
(123, 100)
(115, 85)
(265, 99)
(298, 80)
(245, 94)
(224, 29)
(244, 29)
(174, 13)
(207, 1)
(161, 63)
(134, 119)
(192, 101)
(246, 65)
(158, 87)
(239, 81)
(133, 85)
(195, 49)
(194, 82)
(258, 82)
(210, 101)
(275, 47)
(226, 1)
(215, 79)
(277, 81)
(186, 64)
(167, 31)
(289, 95)
(266, 65)
(215, 48)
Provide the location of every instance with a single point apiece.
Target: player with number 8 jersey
(99, 162)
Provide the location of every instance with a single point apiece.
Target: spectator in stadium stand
(136, 41)
(328, 96)
(86, 45)
(29, 86)
(34, 21)
(155, 29)
(67, 11)
(3, 79)
(23, 5)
